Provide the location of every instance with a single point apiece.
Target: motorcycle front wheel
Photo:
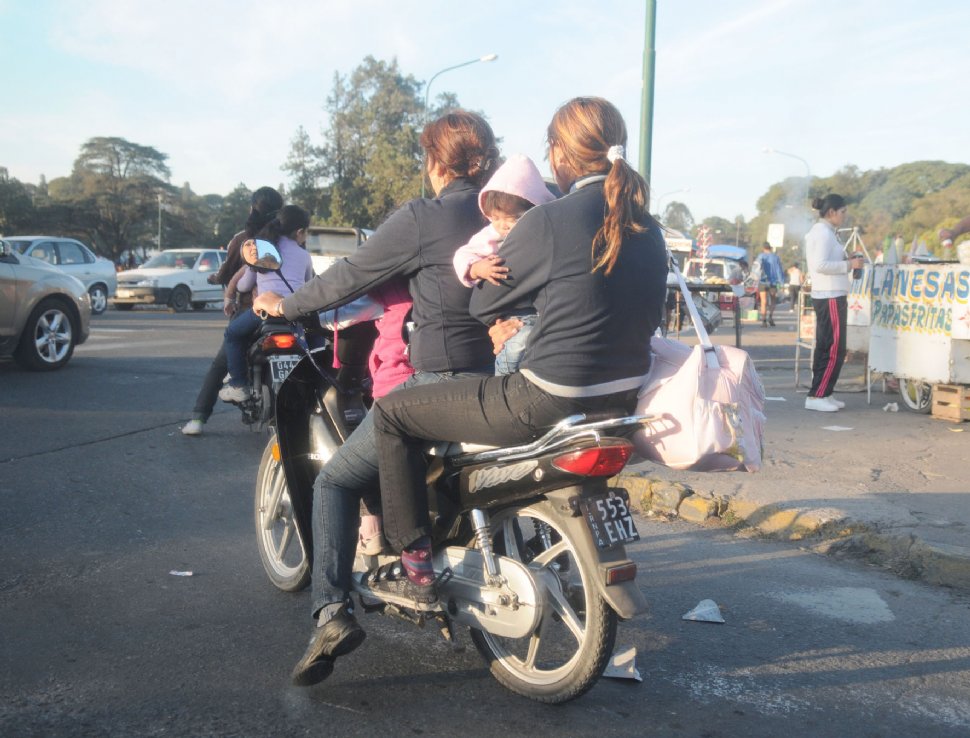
(569, 649)
(280, 546)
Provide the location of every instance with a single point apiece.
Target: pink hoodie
(517, 176)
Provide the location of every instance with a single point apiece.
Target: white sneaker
(192, 428)
(838, 403)
(822, 404)
(234, 394)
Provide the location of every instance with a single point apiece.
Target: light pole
(668, 194)
(159, 221)
(427, 91)
(808, 172)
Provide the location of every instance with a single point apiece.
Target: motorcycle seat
(450, 448)
(273, 325)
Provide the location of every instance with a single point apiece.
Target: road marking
(130, 345)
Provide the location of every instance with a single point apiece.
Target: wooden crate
(951, 402)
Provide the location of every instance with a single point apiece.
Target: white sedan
(174, 277)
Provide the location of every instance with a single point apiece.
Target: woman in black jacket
(417, 243)
(593, 264)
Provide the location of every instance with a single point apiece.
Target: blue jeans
(507, 360)
(349, 475)
(237, 337)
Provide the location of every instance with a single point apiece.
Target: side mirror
(262, 255)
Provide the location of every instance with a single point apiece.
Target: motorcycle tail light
(279, 341)
(624, 573)
(599, 461)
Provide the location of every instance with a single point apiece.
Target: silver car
(95, 272)
(44, 313)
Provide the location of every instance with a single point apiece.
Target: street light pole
(159, 222)
(427, 91)
(668, 194)
(808, 172)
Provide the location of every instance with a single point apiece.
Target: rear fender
(625, 598)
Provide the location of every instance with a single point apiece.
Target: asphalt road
(103, 498)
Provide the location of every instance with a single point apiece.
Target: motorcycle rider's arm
(527, 252)
(394, 250)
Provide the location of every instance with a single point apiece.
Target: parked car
(326, 244)
(174, 277)
(44, 313)
(71, 256)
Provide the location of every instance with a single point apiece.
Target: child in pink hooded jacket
(515, 188)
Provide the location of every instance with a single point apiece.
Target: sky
(221, 87)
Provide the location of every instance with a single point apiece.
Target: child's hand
(490, 269)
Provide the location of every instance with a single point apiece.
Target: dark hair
(290, 219)
(584, 130)
(463, 143)
(766, 246)
(506, 202)
(266, 203)
(829, 202)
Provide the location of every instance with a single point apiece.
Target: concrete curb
(826, 531)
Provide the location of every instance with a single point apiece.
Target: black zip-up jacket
(593, 331)
(417, 242)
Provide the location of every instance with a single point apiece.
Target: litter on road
(706, 611)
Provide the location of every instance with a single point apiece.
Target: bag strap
(695, 316)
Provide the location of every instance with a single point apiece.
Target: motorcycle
(270, 358)
(528, 540)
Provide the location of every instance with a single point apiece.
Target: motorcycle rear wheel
(281, 548)
(572, 645)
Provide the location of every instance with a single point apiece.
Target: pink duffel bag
(709, 401)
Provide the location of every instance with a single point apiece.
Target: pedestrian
(513, 190)
(596, 247)
(417, 242)
(795, 279)
(287, 231)
(263, 206)
(828, 270)
(772, 278)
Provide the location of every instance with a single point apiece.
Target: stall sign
(933, 300)
(859, 303)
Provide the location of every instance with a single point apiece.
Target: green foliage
(677, 216)
(16, 206)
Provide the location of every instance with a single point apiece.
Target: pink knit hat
(518, 176)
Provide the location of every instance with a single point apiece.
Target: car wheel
(48, 339)
(99, 299)
(123, 306)
(179, 301)
(199, 305)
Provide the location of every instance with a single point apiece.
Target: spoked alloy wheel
(48, 339)
(572, 644)
(916, 396)
(280, 546)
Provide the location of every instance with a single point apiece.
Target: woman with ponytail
(593, 264)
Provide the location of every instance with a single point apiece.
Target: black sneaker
(771, 322)
(338, 637)
(390, 583)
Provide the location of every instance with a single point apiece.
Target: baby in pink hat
(515, 188)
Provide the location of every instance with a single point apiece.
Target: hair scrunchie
(613, 153)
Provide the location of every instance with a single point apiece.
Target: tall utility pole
(159, 222)
(646, 102)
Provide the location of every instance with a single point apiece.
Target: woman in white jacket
(829, 272)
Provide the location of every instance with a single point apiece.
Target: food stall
(920, 325)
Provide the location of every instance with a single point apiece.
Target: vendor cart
(920, 327)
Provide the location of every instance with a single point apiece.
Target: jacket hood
(518, 176)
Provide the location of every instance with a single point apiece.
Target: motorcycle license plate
(281, 366)
(609, 518)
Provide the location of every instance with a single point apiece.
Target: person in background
(795, 279)
(513, 190)
(772, 277)
(264, 205)
(828, 270)
(287, 232)
(596, 247)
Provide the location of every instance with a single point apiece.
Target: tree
(303, 166)
(16, 207)
(371, 153)
(677, 216)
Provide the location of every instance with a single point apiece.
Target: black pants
(213, 380)
(501, 410)
(830, 317)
